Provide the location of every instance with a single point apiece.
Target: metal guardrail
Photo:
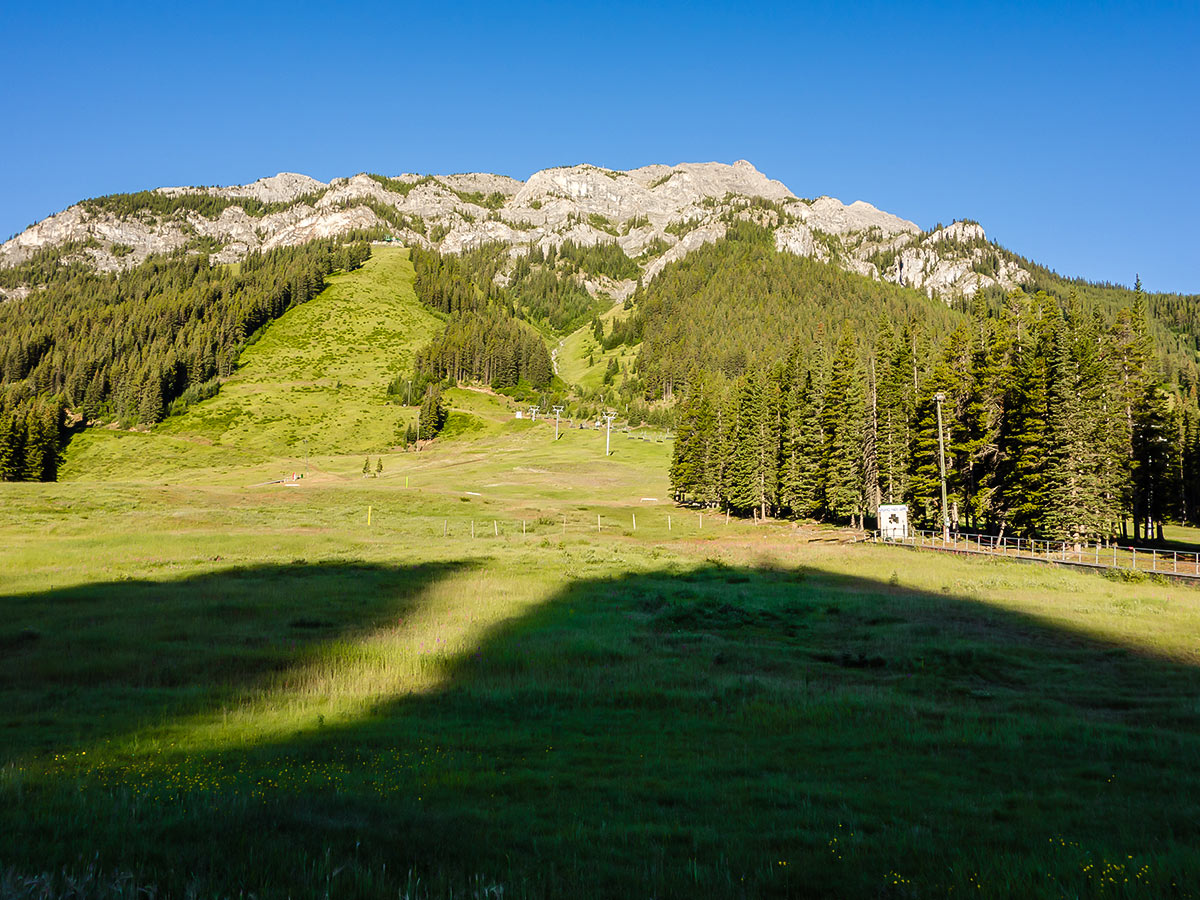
(1182, 563)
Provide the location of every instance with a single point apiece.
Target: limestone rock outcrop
(656, 213)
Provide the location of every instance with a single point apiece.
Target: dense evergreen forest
(811, 392)
(136, 345)
(488, 336)
(736, 304)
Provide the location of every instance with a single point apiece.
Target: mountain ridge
(656, 213)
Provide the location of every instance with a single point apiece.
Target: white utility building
(893, 521)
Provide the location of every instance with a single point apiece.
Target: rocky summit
(657, 214)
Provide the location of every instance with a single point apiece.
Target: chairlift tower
(533, 411)
(557, 412)
(608, 418)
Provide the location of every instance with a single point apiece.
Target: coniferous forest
(816, 396)
(483, 339)
(133, 346)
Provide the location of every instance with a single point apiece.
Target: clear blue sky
(1071, 131)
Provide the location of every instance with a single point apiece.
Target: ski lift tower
(533, 411)
(608, 419)
(557, 412)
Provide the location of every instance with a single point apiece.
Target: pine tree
(924, 477)
(691, 470)
(1130, 370)
(751, 474)
(842, 423)
(895, 405)
(433, 414)
(684, 456)
(11, 446)
(1155, 425)
(801, 476)
(1076, 507)
(150, 404)
(1021, 475)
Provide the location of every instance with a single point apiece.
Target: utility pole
(939, 397)
(608, 417)
(557, 412)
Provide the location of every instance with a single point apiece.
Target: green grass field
(504, 686)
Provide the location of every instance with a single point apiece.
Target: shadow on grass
(84, 664)
(736, 732)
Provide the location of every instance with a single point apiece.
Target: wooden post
(368, 516)
(668, 523)
(445, 526)
(701, 521)
(495, 528)
(522, 526)
(597, 523)
(635, 521)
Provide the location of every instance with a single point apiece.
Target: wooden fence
(1182, 563)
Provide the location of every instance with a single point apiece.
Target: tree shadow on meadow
(84, 664)
(756, 731)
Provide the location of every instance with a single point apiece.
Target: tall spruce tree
(751, 476)
(1021, 471)
(1130, 363)
(842, 422)
(895, 404)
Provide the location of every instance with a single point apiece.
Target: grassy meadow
(509, 667)
(580, 346)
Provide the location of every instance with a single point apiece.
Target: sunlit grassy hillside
(318, 374)
(582, 361)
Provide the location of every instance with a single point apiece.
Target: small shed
(893, 521)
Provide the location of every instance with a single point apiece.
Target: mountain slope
(656, 214)
(318, 374)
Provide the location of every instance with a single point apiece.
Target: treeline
(30, 437)
(125, 346)
(536, 288)
(209, 206)
(1174, 318)
(1055, 425)
(486, 346)
(602, 258)
(485, 339)
(464, 283)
